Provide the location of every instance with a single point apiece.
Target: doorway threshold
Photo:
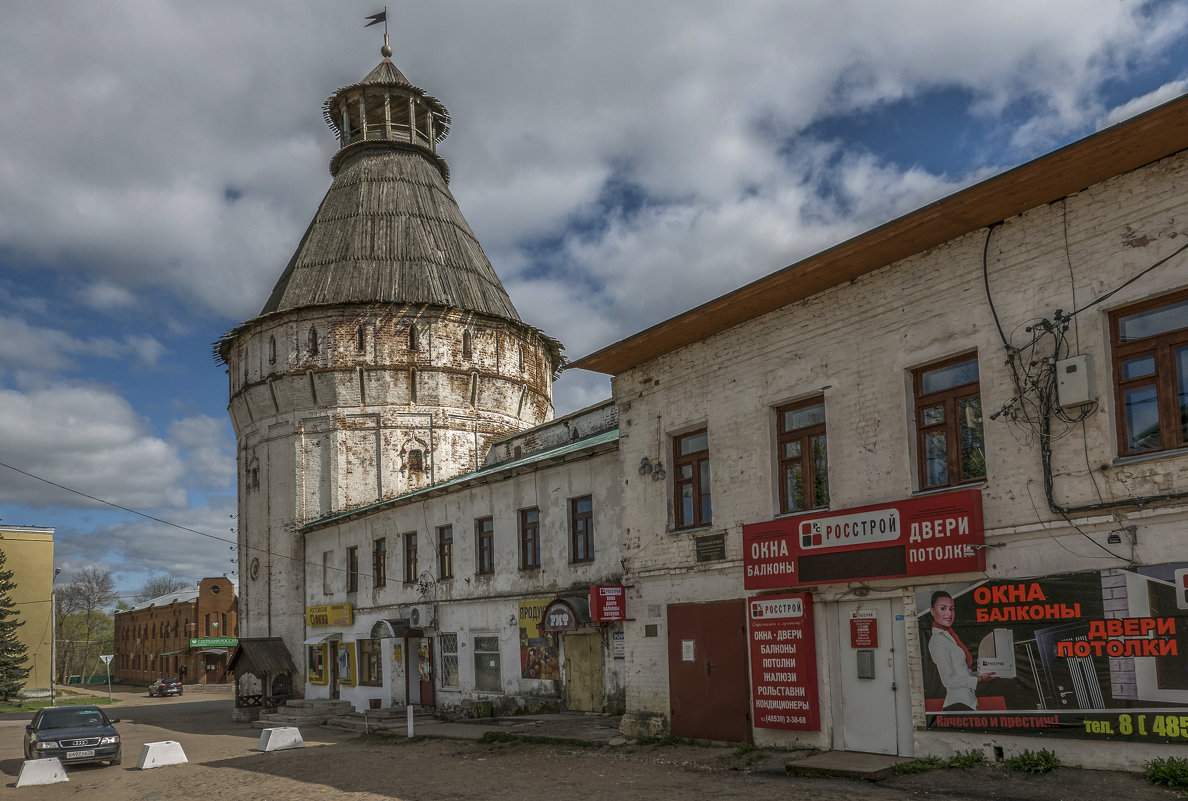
(847, 764)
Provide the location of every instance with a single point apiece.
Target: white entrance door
(876, 708)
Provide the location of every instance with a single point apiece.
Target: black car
(165, 687)
(73, 734)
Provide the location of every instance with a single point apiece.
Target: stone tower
(387, 358)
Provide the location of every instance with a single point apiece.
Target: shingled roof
(390, 231)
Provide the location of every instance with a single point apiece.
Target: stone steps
(303, 712)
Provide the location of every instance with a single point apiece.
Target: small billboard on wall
(783, 662)
(924, 536)
(1095, 655)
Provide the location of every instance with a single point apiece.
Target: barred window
(447, 643)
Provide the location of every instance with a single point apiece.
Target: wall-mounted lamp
(656, 471)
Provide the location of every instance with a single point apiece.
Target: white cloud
(88, 439)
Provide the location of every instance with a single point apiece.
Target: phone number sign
(783, 662)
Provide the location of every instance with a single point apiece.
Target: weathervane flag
(376, 19)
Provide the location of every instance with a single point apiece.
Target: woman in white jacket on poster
(953, 660)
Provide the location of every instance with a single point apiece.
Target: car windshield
(66, 718)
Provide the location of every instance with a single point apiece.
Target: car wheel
(118, 759)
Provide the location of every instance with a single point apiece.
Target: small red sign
(925, 536)
(864, 631)
(607, 603)
(783, 662)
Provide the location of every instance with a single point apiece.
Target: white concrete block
(280, 738)
(158, 755)
(41, 771)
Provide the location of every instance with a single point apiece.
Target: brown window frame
(370, 662)
(353, 568)
(379, 561)
(580, 551)
(411, 570)
(950, 400)
(530, 539)
(484, 546)
(804, 436)
(1161, 349)
(697, 461)
(445, 552)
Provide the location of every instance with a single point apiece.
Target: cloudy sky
(619, 161)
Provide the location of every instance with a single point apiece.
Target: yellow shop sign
(332, 615)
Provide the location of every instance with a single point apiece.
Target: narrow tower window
(272, 350)
(313, 341)
(360, 340)
(413, 344)
(467, 345)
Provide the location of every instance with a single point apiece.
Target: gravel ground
(388, 767)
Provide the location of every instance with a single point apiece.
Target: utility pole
(53, 637)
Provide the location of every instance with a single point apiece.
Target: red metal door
(707, 671)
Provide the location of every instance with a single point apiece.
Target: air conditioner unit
(422, 616)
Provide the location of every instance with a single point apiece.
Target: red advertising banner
(1095, 655)
(783, 662)
(925, 536)
(607, 603)
(864, 629)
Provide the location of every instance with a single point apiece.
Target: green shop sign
(213, 642)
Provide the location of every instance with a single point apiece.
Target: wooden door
(583, 672)
(425, 670)
(707, 671)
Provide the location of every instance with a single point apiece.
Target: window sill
(1139, 458)
(816, 510)
(981, 484)
(692, 529)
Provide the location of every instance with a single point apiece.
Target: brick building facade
(187, 635)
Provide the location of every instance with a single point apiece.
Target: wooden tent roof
(390, 231)
(1126, 146)
(261, 656)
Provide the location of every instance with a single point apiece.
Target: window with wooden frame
(371, 663)
(803, 461)
(581, 529)
(410, 557)
(353, 568)
(484, 536)
(379, 561)
(950, 445)
(445, 552)
(529, 539)
(691, 482)
(1149, 344)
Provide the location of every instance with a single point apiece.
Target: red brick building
(188, 634)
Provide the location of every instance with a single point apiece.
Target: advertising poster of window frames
(538, 649)
(1097, 655)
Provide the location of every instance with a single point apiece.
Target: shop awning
(171, 653)
(320, 638)
(261, 656)
(214, 650)
(386, 628)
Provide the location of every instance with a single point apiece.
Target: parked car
(166, 687)
(73, 734)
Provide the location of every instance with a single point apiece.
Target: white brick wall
(856, 345)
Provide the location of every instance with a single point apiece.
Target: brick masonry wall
(856, 345)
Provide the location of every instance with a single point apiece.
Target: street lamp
(53, 636)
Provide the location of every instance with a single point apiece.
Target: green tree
(85, 622)
(13, 654)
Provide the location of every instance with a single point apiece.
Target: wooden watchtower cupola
(383, 110)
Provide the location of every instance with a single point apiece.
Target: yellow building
(30, 557)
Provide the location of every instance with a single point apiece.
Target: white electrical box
(1074, 381)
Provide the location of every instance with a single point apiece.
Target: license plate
(80, 754)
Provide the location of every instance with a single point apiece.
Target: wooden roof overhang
(1113, 151)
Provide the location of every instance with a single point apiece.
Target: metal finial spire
(376, 19)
